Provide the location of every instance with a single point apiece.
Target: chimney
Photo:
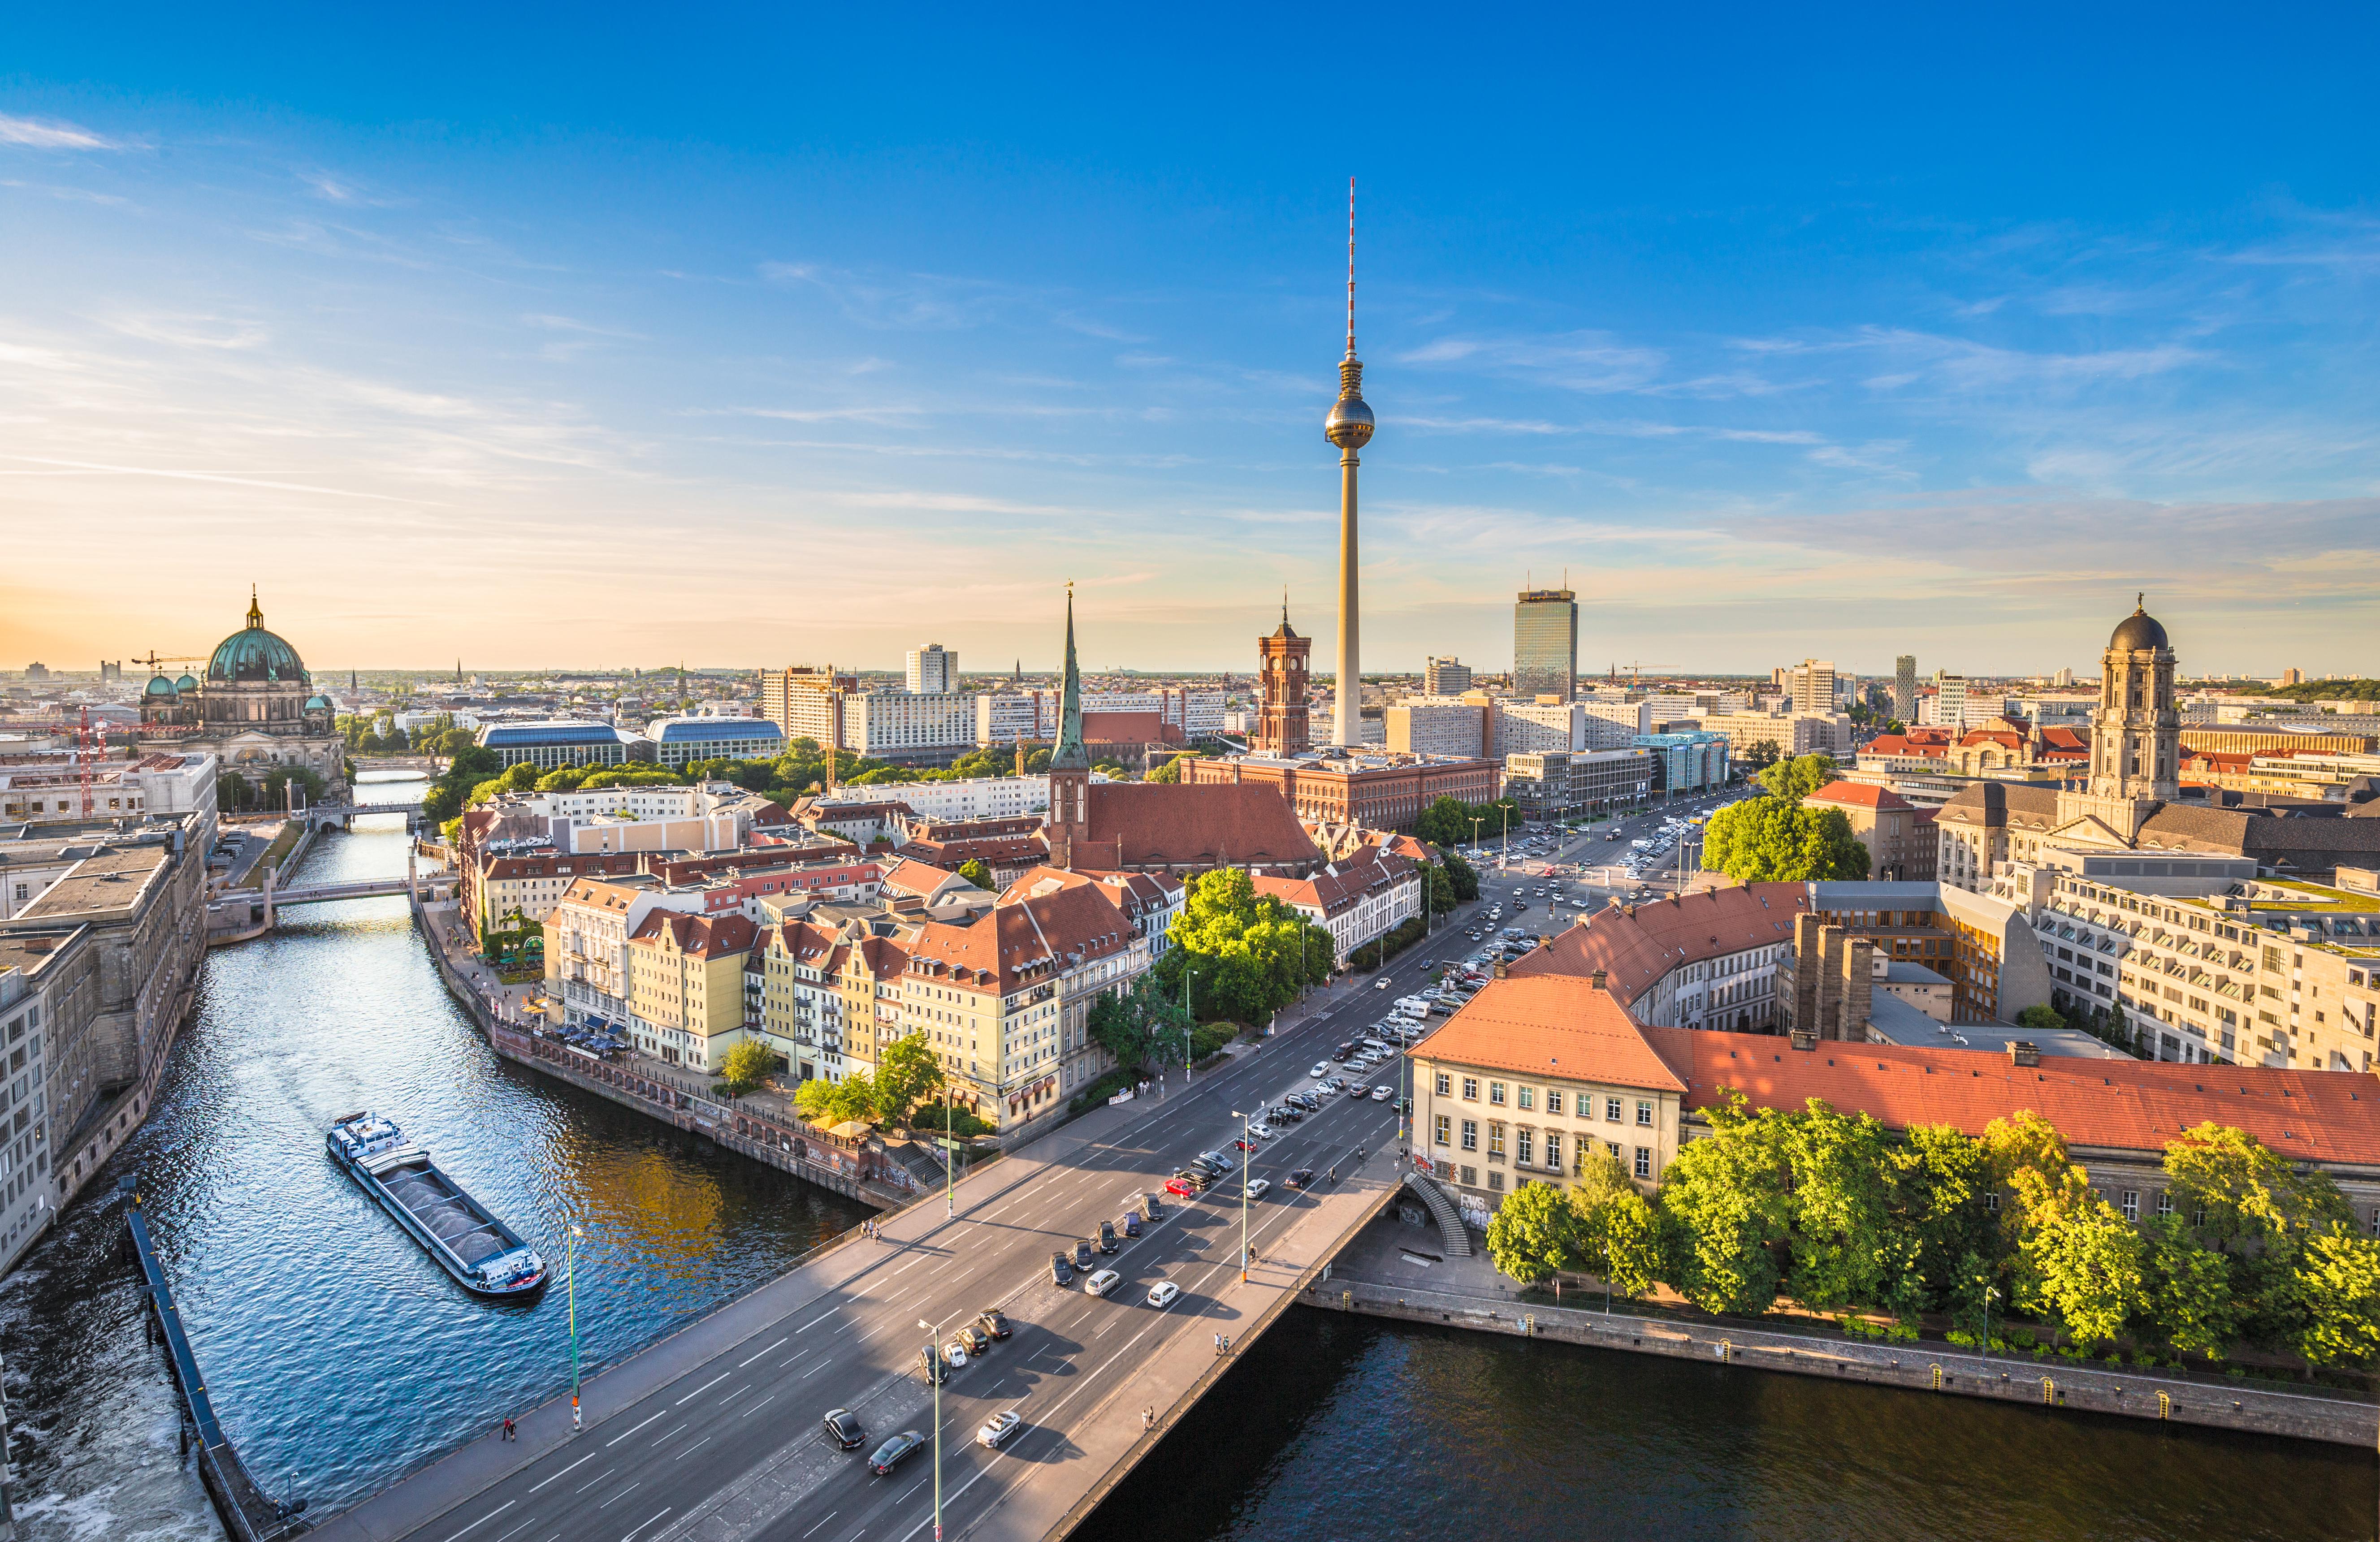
(1498, 968)
(1806, 955)
(1597, 980)
(2023, 1051)
(1828, 1021)
(1859, 988)
(1804, 1039)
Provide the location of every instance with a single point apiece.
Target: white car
(1164, 1294)
(954, 1355)
(1321, 1069)
(1382, 1094)
(1101, 1282)
(1260, 1132)
(999, 1427)
(1383, 985)
(1258, 1189)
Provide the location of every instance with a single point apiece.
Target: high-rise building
(808, 703)
(1904, 688)
(1545, 644)
(931, 668)
(1811, 685)
(1349, 427)
(1950, 699)
(1445, 677)
(1282, 660)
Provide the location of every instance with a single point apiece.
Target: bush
(963, 1124)
(1208, 1039)
(1101, 1091)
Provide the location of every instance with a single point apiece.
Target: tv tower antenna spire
(1351, 267)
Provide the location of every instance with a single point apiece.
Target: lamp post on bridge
(570, 1275)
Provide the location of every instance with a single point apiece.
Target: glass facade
(1545, 644)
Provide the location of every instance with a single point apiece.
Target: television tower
(1349, 427)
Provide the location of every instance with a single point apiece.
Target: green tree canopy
(1141, 1025)
(1729, 1196)
(1461, 877)
(1534, 1232)
(1762, 840)
(746, 1065)
(907, 1072)
(827, 1104)
(1247, 954)
(975, 873)
(1796, 779)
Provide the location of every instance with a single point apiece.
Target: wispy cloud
(38, 134)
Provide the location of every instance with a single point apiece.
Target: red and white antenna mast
(1351, 267)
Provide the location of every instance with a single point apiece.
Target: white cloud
(35, 134)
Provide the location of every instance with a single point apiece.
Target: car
(994, 1322)
(1061, 1273)
(1182, 1187)
(1342, 1052)
(1319, 1089)
(1107, 1241)
(1152, 1207)
(1320, 1069)
(999, 1427)
(1082, 1256)
(1258, 1189)
(976, 1342)
(1100, 1283)
(1338, 1083)
(1301, 1178)
(1382, 986)
(932, 1368)
(846, 1432)
(1131, 1223)
(1215, 1162)
(1243, 1144)
(892, 1452)
(1262, 1131)
(1165, 1292)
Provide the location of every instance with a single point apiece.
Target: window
(1495, 1140)
(1495, 1180)
(1644, 1162)
(1471, 1134)
(1445, 1083)
(1445, 1125)
(1525, 1147)
(1644, 1112)
(2133, 1205)
(1496, 1093)
(1611, 1111)
(1553, 1149)
(1615, 1148)
(1528, 1097)
(1553, 1101)
(2165, 1202)
(1471, 1088)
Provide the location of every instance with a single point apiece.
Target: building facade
(1445, 676)
(931, 671)
(553, 745)
(1904, 688)
(681, 742)
(1282, 660)
(256, 711)
(1545, 644)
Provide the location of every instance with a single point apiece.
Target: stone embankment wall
(1919, 1367)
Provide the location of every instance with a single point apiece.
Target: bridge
(238, 915)
(343, 813)
(713, 1434)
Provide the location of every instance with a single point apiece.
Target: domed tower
(1282, 660)
(2136, 732)
(1349, 427)
(255, 680)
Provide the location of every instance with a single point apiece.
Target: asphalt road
(639, 1473)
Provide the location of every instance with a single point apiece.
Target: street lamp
(1245, 1153)
(570, 1278)
(1985, 1344)
(934, 1363)
(1188, 1021)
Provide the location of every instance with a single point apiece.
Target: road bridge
(713, 1434)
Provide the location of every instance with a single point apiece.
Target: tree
(746, 1065)
(1765, 840)
(2337, 1283)
(2246, 1202)
(1441, 892)
(830, 1103)
(1842, 1207)
(1896, 726)
(471, 765)
(1728, 1196)
(1139, 1025)
(907, 1072)
(2041, 1018)
(2082, 1262)
(1620, 1235)
(1534, 1233)
(1171, 772)
(2187, 1290)
(1461, 877)
(1760, 755)
(975, 873)
(1446, 823)
(1247, 954)
(1942, 1221)
(1797, 778)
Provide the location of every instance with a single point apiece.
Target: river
(340, 1358)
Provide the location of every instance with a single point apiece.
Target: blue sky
(594, 336)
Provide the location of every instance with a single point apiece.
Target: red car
(1244, 1146)
(1182, 1187)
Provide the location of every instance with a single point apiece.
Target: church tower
(1069, 820)
(1281, 659)
(2136, 732)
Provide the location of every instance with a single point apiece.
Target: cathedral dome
(185, 685)
(2137, 632)
(254, 654)
(161, 687)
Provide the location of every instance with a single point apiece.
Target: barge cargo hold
(482, 1254)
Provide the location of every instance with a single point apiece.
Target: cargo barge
(483, 1255)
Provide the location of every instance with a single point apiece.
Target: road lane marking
(818, 1319)
(779, 1345)
(910, 1265)
(621, 1494)
(912, 1488)
(657, 1515)
(489, 1516)
(815, 1524)
(679, 1430)
(757, 1406)
(704, 1388)
(632, 1429)
(790, 1359)
(596, 1479)
(814, 1371)
(522, 1526)
(543, 1481)
(697, 1446)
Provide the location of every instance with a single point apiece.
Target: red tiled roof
(1343, 884)
(1858, 794)
(1904, 745)
(1636, 950)
(1144, 824)
(994, 952)
(700, 936)
(2111, 1104)
(1554, 1025)
(910, 877)
(1124, 728)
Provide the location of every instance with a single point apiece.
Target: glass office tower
(1545, 644)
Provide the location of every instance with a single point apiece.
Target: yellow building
(685, 986)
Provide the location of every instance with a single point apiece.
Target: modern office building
(1545, 644)
(1811, 685)
(1949, 699)
(1445, 677)
(1904, 688)
(553, 744)
(932, 669)
(688, 741)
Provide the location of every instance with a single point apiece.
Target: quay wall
(1917, 1367)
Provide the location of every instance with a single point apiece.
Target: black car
(1301, 1178)
(1082, 1255)
(845, 1431)
(992, 1322)
(1061, 1271)
(892, 1452)
(978, 1341)
(1131, 1223)
(1342, 1052)
(1108, 1243)
(932, 1366)
(1152, 1207)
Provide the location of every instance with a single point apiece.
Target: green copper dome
(185, 685)
(160, 686)
(254, 654)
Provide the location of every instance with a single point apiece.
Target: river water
(339, 1356)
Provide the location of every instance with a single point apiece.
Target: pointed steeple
(255, 614)
(1070, 754)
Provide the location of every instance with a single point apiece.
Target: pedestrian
(508, 1426)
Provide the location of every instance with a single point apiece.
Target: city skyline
(450, 356)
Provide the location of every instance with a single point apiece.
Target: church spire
(1070, 754)
(255, 616)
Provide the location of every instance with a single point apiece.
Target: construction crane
(91, 743)
(155, 658)
(1635, 669)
